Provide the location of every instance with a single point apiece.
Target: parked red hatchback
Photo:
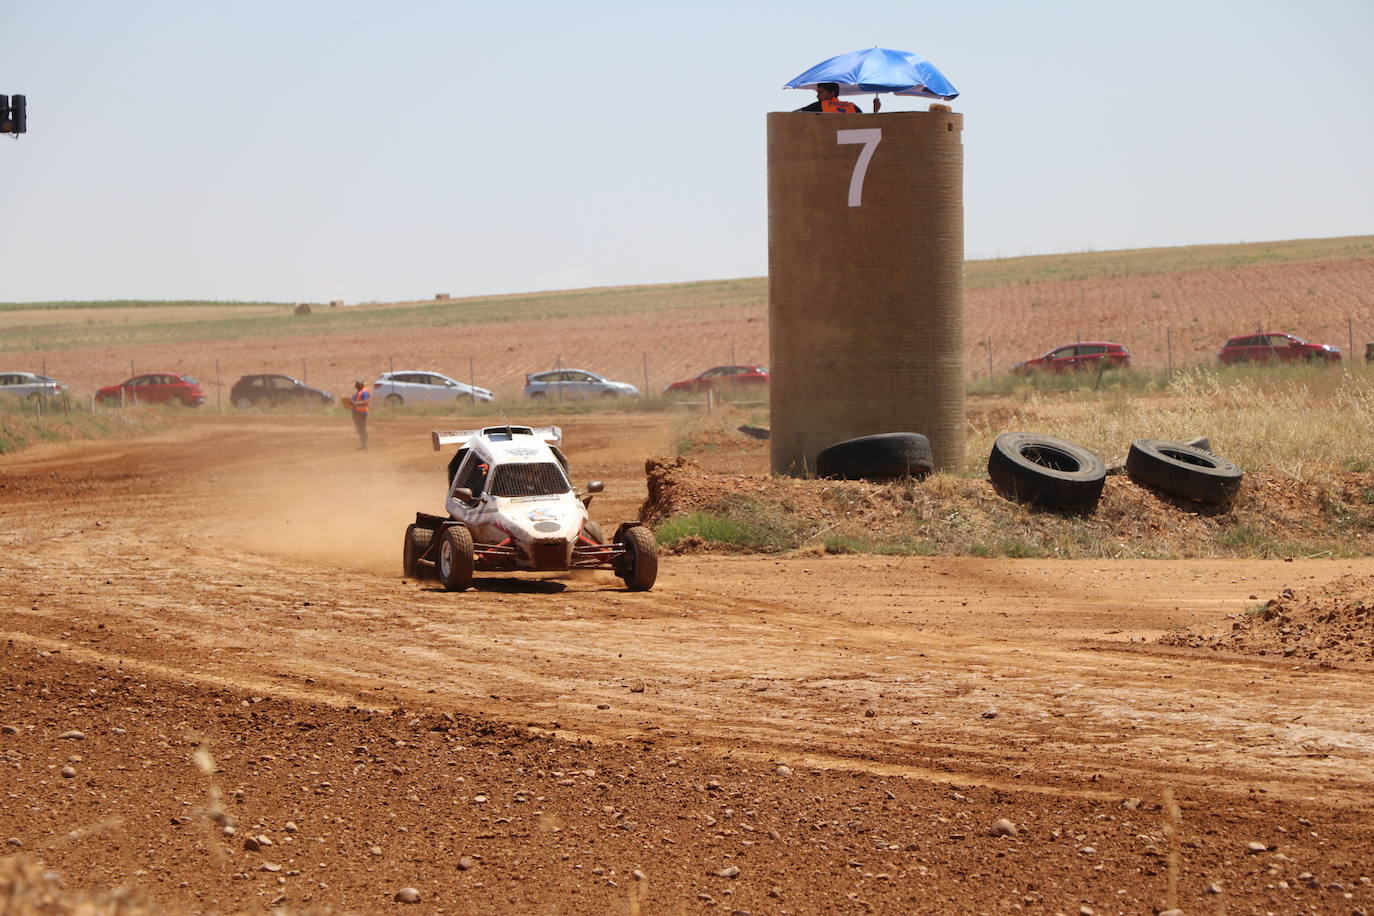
(722, 377)
(1276, 347)
(1082, 355)
(154, 388)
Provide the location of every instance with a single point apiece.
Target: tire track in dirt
(867, 662)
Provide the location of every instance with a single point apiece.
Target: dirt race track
(207, 643)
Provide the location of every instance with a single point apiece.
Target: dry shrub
(25, 888)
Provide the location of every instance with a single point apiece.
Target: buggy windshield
(537, 479)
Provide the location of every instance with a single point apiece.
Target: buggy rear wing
(551, 435)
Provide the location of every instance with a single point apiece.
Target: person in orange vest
(828, 100)
(358, 404)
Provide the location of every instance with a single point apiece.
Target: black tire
(537, 395)
(417, 542)
(882, 457)
(640, 568)
(609, 395)
(593, 531)
(454, 562)
(1182, 470)
(393, 400)
(1047, 472)
(242, 403)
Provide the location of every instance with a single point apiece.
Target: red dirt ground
(206, 640)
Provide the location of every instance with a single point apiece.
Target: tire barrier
(880, 457)
(1047, 472)
(1183, 470)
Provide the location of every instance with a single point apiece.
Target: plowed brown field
(206, 643)
(1179, 319)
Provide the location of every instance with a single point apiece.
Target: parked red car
(1082, 355)
(1276, 347)
(154, 388)
(721, 377)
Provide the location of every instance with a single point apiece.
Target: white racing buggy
(511, 507)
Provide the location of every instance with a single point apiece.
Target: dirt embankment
(1332, 624)
(946, 516)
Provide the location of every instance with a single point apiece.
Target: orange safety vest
(360, 399)
(839, 107)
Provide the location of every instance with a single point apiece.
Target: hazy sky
(348, 150)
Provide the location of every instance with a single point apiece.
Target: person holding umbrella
(828, 100)
(873, 70)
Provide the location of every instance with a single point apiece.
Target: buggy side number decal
(870, 137)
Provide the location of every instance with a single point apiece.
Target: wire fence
(1162, 349)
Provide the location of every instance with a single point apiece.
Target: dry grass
(1303, 435)
(1302, 422)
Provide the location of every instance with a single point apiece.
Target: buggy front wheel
(640, 562)
(455, 558)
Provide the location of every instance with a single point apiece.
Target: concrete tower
(865, 281)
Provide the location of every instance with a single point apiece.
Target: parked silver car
(418, 386)
(31, 384)
(575, 384)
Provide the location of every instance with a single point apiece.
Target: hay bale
(303, 308)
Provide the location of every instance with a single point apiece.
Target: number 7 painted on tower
(870, 137)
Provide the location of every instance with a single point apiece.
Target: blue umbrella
(879, 70)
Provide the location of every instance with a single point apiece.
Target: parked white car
(574, 385)
(418, 386)
(31, 384)
(511, 507)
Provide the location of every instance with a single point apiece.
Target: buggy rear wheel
(640, 568)
(416, 543)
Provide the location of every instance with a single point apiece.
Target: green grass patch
(512, 408)
(1095, 265)
(23, 423)
(719, 530)
(896, 547)
(129, 304)
(1121, 380)
(739, 523)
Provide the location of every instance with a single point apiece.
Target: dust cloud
(351, 514)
